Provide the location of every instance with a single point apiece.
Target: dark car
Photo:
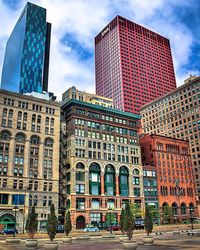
(10, 231)
(139, 223)
(60, 229)
(114, 228)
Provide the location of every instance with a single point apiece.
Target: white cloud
(84, 19)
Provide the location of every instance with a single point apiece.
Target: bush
(122, 221)
(68, 224)
(52, 223)
(129, 222)
(148, 222)
(31, 223)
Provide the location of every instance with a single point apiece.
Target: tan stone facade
(177, 115)
(29, 156)
(101, 167)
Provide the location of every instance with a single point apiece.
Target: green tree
(31, 223)
(68, 223)
(148, 222)
(136, 210)
(122, 221)
(129, 222)
(167, 214)
(52, 223)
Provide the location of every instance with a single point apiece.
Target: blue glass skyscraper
(26, 60)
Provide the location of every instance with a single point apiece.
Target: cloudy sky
(75, 23)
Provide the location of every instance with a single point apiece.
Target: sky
(75, 23)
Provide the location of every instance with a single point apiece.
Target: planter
(51, 245)
(67, 240)
(148, 240)
(108, 236)
(122, 238)
(13, 241)
(130, 244)
(176, 232)
(31, 244)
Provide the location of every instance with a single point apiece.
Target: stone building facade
(100, 163)
(171, 159)
(177, 115)
(29, 157)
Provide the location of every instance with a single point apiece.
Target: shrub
(148, 222)
(68, 224)
(52, 223)
(31, 223)
(129, 222)
(122, 221)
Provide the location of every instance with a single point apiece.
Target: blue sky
(75, 23)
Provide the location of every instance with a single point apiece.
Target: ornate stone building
(100, 162)
(29, 157)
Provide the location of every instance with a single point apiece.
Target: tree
(148, 222)
(167, 214)
(52, 223)
(122, 221)
(136, 210)
(129, 222)
(68, 223)
(32, 223)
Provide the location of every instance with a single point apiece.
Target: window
(80, 204)
(80, 188)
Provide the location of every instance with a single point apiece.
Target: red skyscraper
(133, 65)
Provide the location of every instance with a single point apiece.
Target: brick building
(133, 65)
(177, 115)
(175, 181)
(100, 163)
(29, 157)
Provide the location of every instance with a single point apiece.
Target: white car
(91, 229)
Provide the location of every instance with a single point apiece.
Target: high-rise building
(172, 161)
(29, 157)
(26, 60)
(133, 65)
(100, 161)
(176, 114)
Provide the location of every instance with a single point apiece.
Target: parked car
(10, 231)
(91, 229)
(114, 228)
(139, 223)
(60, 229)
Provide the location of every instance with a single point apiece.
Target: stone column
(73, 181)
(117, 184)
(11, 156)
(26, 158)
(41, 160)
(87, 182)
(130, 184)
(102, 183)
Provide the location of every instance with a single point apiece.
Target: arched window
(136, 171)
(136, 179)
(35, 139)
(95, 185)
(48, 142)
(4, 112)
(109, 180)
(10, 114)
(5, 135)
(47, 121)
(123, 181)
(174, 208)
(44, 202)
(33, 118)
(35, 201)
(50, 201)
(20, 137)
(183, 208)
(25, 116)
(80, 165)
(39, 119)
(19, 116)
(52, 121)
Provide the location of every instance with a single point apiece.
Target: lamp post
(110, 213)
(15, 209)
(192, 216)
(24, 212)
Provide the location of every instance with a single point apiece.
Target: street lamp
(15, 209)
(191, 216)
(110, 214)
